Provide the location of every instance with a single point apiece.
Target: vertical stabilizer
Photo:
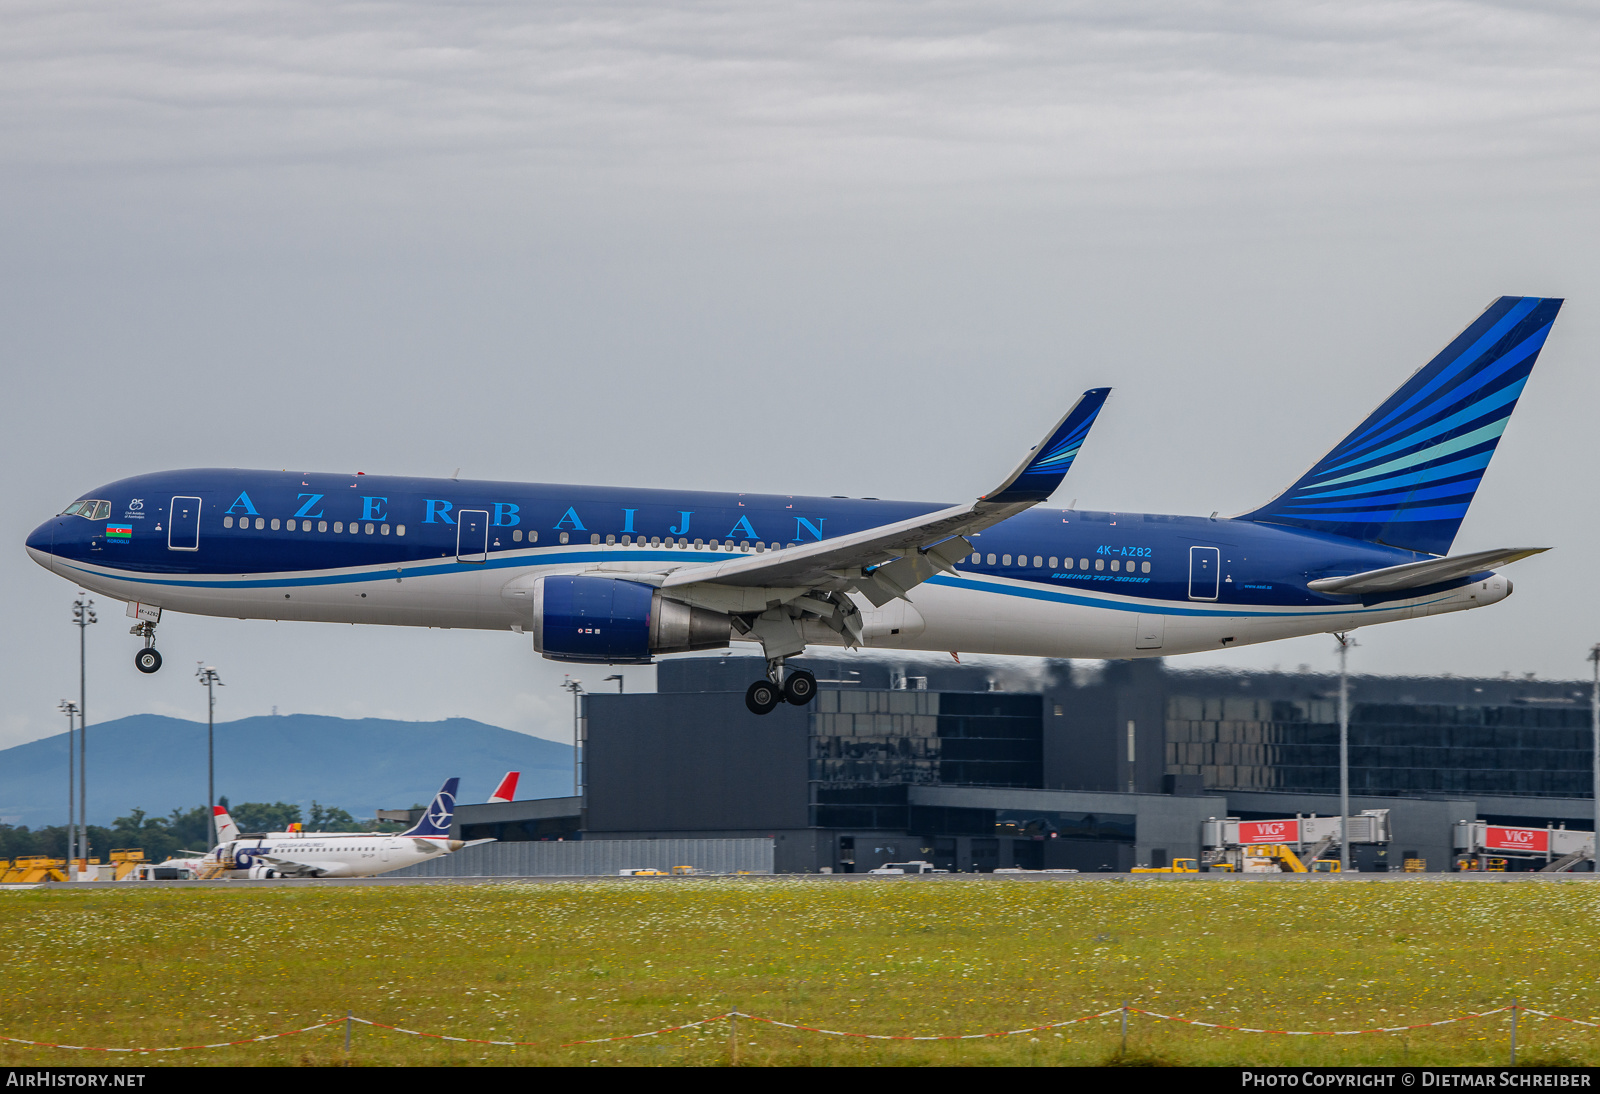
(435, 822)
(227, 831)
(507, 790)
(1407, 474)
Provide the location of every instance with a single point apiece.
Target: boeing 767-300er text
(616, 575)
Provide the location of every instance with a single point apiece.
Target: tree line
(161, 838)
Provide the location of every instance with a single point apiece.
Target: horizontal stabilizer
(1416, 575)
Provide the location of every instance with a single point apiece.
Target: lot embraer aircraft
(334, 854)
(618, 575)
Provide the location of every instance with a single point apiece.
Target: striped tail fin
(1407, 474)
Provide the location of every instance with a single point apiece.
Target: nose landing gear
(797, 688)
(147, 660)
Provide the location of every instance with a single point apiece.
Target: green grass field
(555, 963)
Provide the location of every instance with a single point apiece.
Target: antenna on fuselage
(457, 475)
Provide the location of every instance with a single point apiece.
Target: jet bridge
(1225, 839)
(1556, 847)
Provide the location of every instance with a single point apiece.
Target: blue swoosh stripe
(1472, 463)
(1507, 394)
(1463, 487)
(1518, 312)
(1153, 607)
(1379, 516)
(1490, 432)
(1528, 347)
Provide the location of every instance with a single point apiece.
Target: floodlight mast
(207, 675)
(1345, 642)
(576, 687)
(82, 616)
(70, 709)
(1594, 735)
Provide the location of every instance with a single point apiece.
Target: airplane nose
(41, 544)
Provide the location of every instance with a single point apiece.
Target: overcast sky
(850, 248)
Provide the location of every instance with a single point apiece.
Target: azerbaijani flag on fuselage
(119, 531)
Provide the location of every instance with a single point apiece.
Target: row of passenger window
(1065, 563)
(356, 528)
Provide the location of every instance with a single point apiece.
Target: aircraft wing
(883, 563)
(1415, 575)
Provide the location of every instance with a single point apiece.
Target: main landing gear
(147, 660)
(798, 688)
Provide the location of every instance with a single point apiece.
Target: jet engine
(613, 621)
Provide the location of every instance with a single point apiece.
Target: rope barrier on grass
(729, 1016)
(173, 1048)
(1335, 1032)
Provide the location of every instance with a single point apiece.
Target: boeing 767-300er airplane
(616, 575)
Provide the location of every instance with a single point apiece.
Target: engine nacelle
(613, 621)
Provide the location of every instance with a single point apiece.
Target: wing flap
(1415, 575)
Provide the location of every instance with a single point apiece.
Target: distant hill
(155, 763)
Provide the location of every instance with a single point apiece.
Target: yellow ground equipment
(127, 860)
(1179, 866)
(1267, 858)
(30, 869)
(1325, 866)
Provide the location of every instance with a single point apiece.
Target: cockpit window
(92, 508)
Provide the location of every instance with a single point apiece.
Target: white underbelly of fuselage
(967, 614)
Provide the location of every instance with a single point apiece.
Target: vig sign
(1275, 831)
(1496, 838)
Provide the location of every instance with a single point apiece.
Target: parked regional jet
(618, 575)
(334, 854)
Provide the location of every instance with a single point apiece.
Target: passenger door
(472, 535)
(183, 524)
(1205, 566)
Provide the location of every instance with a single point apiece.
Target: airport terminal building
(1076, 767)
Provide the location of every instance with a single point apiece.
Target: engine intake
(613, 621)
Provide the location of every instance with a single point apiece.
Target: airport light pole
(82, 616)
(70, 709)
(208, 676)
(1345, 642)
(1594, 733)
(576, 687)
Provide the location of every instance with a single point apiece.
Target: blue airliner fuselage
(616, 574)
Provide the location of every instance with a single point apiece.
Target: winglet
(435, 822)
(1037, 476)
